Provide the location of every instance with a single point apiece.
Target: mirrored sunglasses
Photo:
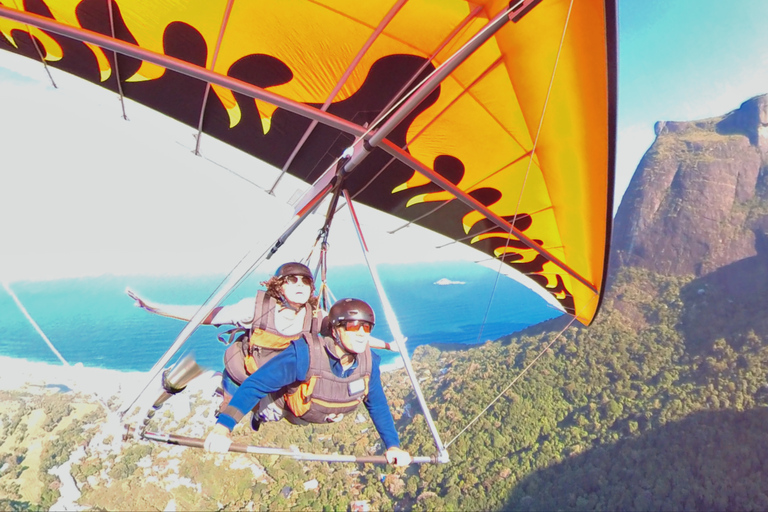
(355, 325)
(295, 279)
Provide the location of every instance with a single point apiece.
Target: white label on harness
(356, 386)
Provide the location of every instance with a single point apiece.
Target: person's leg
(226, 390)
(272, 408)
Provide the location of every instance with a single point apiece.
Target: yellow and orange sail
(523, 128)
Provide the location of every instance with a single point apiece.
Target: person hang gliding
(264, 324)
(318, 381)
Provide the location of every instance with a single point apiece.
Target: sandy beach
(18, 373)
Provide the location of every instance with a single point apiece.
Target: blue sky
(681, 60)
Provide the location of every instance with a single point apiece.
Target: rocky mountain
(699, 198)
(697, 209)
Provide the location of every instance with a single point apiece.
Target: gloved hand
(398, 457)
(218, 440)
(334, 418)
(394, 347)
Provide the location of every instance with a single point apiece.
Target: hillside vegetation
(646, 409)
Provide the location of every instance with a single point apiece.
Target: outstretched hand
(394, 346)
(140, 303)
(398, 457)
(218, 440)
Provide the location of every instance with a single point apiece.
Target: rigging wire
(34, 324)
(501, 258)
(114, 55)
(45, 338)
(527, 170)
(517, 377)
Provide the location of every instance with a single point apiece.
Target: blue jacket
(291, 366)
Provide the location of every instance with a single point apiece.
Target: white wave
(445, 282)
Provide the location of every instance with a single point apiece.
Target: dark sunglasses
(295, 279)
(355, 325)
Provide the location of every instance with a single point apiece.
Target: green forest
(659, 405)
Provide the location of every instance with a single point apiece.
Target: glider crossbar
(394, 326)
(194, 442)
(377, 140)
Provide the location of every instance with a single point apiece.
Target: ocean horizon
(92, 320)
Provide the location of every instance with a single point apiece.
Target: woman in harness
(264, 324)
(320, 381)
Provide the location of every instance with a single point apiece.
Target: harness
(250, 349)
(323, 393)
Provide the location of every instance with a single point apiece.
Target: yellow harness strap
(300, 401)
(263, 339)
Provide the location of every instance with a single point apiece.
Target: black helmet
(293, 269)
(345, 310)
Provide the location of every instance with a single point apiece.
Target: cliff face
(699, 198)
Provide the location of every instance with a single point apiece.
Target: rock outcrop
(699, 198)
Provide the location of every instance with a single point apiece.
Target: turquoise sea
(92, 320)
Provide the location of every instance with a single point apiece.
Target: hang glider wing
(510, 150)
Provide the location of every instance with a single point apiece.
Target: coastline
(17, 374)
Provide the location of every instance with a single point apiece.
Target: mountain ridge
(697, 200)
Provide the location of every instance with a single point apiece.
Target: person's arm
(378, 408)
(289, 366)
(236, 314)
(281, 370)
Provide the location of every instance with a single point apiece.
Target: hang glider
(490, 122)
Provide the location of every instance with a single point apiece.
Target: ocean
(92, 321)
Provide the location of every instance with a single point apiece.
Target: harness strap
(250, 348)
(230, 336)
(319, 395)
(261, 314)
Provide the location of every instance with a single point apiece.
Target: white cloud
(84, 192)
(631, 144)
(89, 193)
